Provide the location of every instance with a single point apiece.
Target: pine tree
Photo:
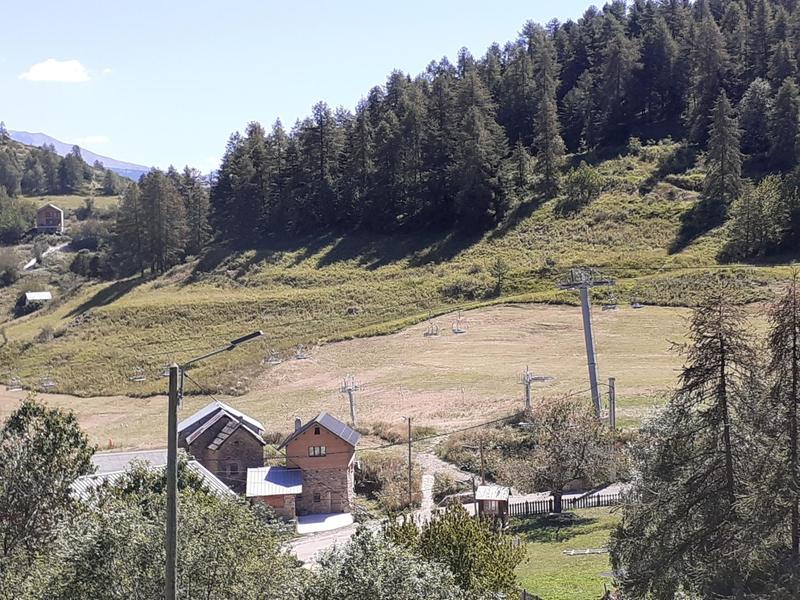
(785, 127)
(194, 192)
(659, 56)
(165, 216)
(754, 111)
(481, 146)
(723, 182)
(132, 243)
(618, 104)
(10, 176)
(784, 344)
(547, 140)
(709, 60)
(734, 27)
(759, 39)
(782, 65)
(684, 507)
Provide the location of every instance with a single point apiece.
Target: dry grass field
(445, 381)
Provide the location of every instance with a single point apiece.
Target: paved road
(307, 547)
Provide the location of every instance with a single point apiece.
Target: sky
(166, 82)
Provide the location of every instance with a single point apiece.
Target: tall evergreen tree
(547, 141)
(754, 111)
(709, 60)
(723, 182)
(785, 127)
(194, 192)
(132, 243)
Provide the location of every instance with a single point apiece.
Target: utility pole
(176, 380)
(170, 587)
(483, 467)
(349, 387)
(409, 461)
(583, 280)
(612, 402)
(528, 378)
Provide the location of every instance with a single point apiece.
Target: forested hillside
(464, 144)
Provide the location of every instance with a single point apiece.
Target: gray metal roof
(274, 481)
(110, 462)
(82, 487)
(492, 492)
(332, 424)
(226, 432)
(215, 406)
(38, 296)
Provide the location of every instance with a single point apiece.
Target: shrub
(89, 235)
(383, 476)
(581, 186)
(9, 269)
(476, 287)
(444, 485)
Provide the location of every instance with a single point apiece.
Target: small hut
(50, 219)
(493, 501)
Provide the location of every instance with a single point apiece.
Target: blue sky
(167, 82)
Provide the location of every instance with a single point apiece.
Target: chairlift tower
(349, 387)
(527, 380)
(584, 280)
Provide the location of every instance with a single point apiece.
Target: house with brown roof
(225, 441)
(50, 219)
(319, 474)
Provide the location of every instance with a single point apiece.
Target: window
(491, 506)
(317, 498)
(316, 430)
(316, 451)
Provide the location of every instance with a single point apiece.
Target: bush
(90, 235)
(445, 485)
(9, 269)
(16, 217)
(581, 187)
(383, 476)
(477, 287)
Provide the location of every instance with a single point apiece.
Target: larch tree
(547, 140)
(681, 526)
(754, 111)
(723, 182)
(709, 59)
(785, 127)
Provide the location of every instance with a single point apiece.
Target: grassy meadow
(549, 573)
(313, 291)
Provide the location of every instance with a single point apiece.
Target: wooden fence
(542, 507)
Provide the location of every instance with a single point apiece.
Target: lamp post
(175, 396)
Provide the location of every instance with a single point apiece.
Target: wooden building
(50, 219)
(319, 474)
(493, 501)
(225, 441)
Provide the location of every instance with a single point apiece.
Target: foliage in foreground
(481, 557)
(714, 511)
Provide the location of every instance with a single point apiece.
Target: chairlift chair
(47, 383)
(636, 304)
(458, 325)
(14, 385)
(611, 304)
(301, 354)
(137, 375)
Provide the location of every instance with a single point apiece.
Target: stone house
(225, 441)
(50, 219)
(319, 474)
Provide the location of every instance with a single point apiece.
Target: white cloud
(91, 140)
(107, 71)
(70, 71)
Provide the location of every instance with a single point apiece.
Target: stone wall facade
(239, 452)
(326, 491)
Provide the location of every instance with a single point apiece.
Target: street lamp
(175, 395)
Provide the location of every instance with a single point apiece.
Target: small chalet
(225, 441)
(319, 474)
(50, 219)
(493, 501)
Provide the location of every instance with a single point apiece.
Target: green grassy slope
(315, 290)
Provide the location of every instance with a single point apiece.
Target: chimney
(298, 424)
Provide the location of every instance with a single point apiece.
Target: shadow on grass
(552, 528)
(109, 294)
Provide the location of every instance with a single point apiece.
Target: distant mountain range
(125, 169)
